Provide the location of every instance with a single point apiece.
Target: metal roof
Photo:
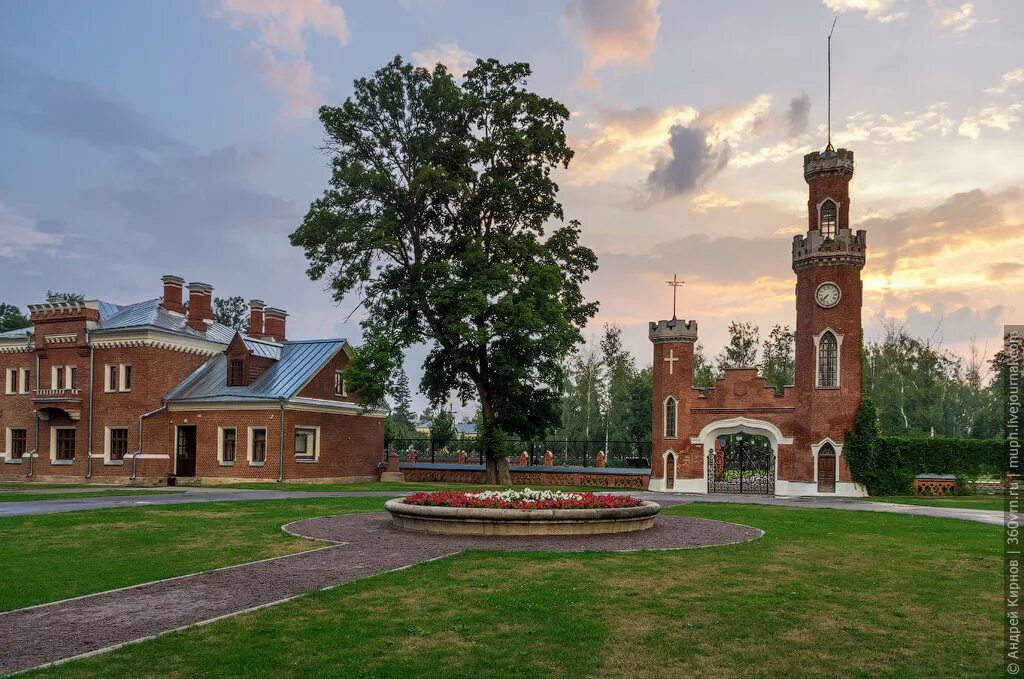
(17, 333)
(150, 314)
(263, 348)
(298, 363)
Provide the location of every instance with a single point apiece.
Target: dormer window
(827, 220)
(236, 372)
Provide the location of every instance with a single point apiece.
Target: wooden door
(827, 469)
(186, 452)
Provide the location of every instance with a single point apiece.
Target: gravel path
(370, 545)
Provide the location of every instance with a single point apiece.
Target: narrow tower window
(828, 361)
(827, 220)
(670, 417)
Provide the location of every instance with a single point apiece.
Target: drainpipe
(92, 350)
(280, 451)
(32, 454)
(135, 455)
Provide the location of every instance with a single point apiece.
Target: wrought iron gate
(743, 465)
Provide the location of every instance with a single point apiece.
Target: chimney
(256, 318)
(273, 324)
(172, 294)
(199, 305)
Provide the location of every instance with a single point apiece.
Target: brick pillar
(256, 307)
(172, 294)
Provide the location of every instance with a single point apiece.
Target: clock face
(827, 295)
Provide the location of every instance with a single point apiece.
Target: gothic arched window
(828, 360)
(670, 417)
(827, 220)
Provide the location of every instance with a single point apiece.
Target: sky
(181, 137)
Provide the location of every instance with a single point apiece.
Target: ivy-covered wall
(886, 465)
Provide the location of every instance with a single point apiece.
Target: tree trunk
(495, 463)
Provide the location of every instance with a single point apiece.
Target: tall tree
(704, 374)
(741, 352)
(619, 371)
(232, 312)
(442, 427)
(583, 400)
(435, 216)
(11, 318)
(402, 414)
(777, 353)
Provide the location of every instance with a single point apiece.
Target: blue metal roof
(263, 348)
(150, 314)
(16, 333)
(298, 363)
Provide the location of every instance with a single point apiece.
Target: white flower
(526, 495)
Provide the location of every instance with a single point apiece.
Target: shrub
(886, 465)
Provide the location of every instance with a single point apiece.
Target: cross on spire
(675, 283)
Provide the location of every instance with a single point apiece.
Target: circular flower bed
(521, 499)
(525, 512)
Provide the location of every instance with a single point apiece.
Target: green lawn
(994, 502)
(57, 556)
(823, 594)
(390, 486)
(73, 493)
(29, 485)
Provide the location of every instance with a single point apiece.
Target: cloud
(885, 129)
(280, 48)
(711, 200)
(41, 103)
(456, 59)
(19, 236)
(882, 11)
(693, 160)
(991, 117)
(797, 114)
(614, 32)
(1001, 270)
(957, 20)
(1009, 80)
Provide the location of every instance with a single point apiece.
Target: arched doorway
(742, 463)
(740, 455)
(670, 471)
(827, 469)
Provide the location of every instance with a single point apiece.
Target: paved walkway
(88, 625)
(213, 494)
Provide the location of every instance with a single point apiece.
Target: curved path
(366, 544)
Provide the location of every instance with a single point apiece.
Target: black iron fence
(633, 454)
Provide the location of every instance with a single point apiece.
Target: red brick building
(694, 444)
(149, 391)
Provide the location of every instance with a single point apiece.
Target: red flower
(449, 498)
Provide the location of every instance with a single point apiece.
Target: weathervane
(675, 283)
(829, 147)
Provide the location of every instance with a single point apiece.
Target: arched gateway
(744, 436)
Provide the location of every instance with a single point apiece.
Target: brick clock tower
(693, 444)
(827, 262)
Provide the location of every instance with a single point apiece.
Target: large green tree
(11, 318)
(741, 351)
(778, 365)
(232, 312)
(435, 218)
(402, 416)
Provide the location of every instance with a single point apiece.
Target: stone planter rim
(397, 506)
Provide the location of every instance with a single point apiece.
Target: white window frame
(8, 454)
(315, 457)
(266, 442)
(56, 372)
(817, 359)
(220, 446)
(23, 387)
(344, 388)
(106, 445)
(675, 418)
(53, 445)
(12, 375)
(122, 374)
(821, 205)
(108, 386)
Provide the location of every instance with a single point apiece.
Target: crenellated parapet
(828, 162)
(814, 250)
(674, 330)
